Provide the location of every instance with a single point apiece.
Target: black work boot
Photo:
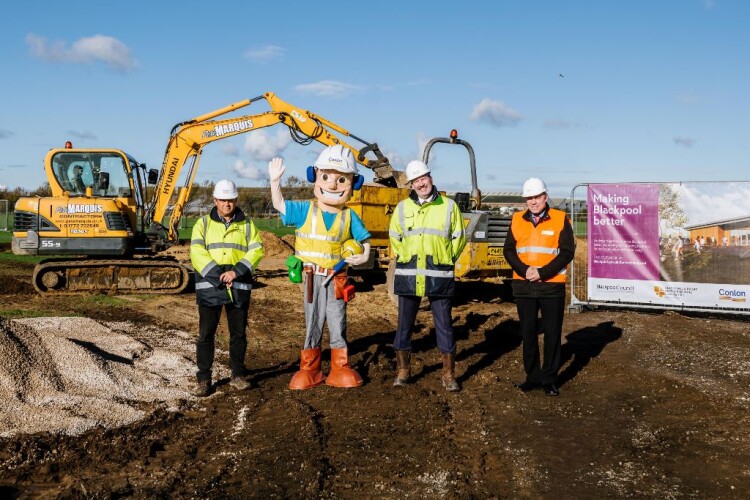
(449, 376)
(403, 362)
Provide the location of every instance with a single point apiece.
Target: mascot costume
(323, 246)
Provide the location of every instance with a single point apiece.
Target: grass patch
(30, 313)
(9, 256)
(5, 237)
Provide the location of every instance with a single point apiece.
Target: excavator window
(105, 173)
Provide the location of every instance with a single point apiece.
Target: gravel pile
(68, 375)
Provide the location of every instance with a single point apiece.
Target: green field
(271, 225)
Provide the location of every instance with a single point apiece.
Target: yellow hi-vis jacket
(315, 244)
(538, 245)
(427, 241)
(216, 248)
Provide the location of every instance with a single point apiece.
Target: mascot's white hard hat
(533, 186)
(337, 157)
(225, 190)
(416, 169)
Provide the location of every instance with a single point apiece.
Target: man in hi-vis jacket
(225, 248)
(427, 236)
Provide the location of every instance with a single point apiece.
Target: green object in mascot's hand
(294, 266)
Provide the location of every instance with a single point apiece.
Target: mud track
(652, 405)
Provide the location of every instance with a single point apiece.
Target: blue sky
(570, 91)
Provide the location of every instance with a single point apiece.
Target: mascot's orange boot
(341, 374)
(309, 374)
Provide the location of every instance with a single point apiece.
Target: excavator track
(123, 276)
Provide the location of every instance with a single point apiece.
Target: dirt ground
(652, 404)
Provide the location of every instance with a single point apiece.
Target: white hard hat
(337, 157)
(225, 190)
(416, 169)
(533, 186)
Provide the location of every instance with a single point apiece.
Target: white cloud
(231, 149)
(249, 171)
(265, 53)
(262, 146)
(495, 113)
(709, 4)
(97, 48)
(327, 88)
(685, 142)
(394, 158)
(706, 202)
(3, 187)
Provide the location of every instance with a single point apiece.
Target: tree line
(254, 201)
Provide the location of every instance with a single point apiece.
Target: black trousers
(552, 309)
(205, 346)
(408, 306)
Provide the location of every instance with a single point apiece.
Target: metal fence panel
(681, 246)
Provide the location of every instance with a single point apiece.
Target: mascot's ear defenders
(357, 180)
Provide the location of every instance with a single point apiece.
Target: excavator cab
(105, 172)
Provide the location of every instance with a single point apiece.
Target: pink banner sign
(623, 231)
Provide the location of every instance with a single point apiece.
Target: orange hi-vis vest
(537, 246)
(315, 244)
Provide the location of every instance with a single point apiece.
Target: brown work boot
(403, 362)
(449, 376)
(201, 389)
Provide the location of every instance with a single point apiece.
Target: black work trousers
(408, 306)
(552, 309)
(205, 346)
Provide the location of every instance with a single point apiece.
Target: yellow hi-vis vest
(315, 244)
(215, 249)
(537, 246)
(427, 241)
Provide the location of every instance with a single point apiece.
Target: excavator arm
(188, 138)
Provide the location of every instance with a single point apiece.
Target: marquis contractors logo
(732, 295)
(659, 291)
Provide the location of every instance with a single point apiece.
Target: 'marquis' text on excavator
(98, 216)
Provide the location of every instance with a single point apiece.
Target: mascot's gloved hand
(356, 260)
(276, 169)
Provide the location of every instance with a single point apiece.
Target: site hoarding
(669, 244)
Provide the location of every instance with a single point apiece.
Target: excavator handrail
(188, 138)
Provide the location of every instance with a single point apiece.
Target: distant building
(503, 202)
(724, 232)
(509, 202)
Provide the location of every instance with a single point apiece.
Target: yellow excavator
(102, 234)
(98, 215)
